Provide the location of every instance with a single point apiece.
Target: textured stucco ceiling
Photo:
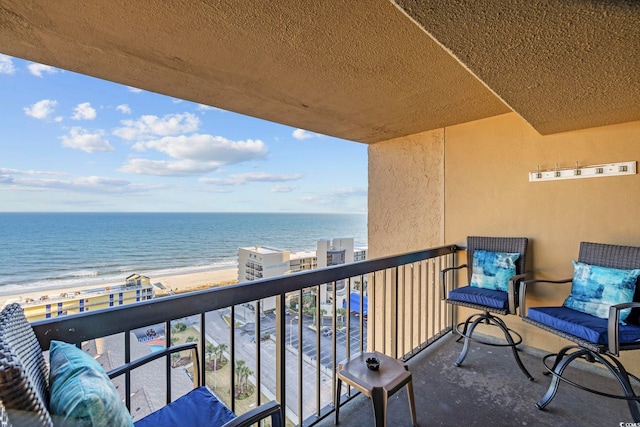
(361, 69)
(561, 65)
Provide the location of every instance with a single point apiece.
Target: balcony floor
(489, 389)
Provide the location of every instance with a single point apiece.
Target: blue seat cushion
(199, 407)
(582, 325)
(481, 296)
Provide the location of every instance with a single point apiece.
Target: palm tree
(240, 366)
(341, 312)
(218, 351)
(244, 375)
(209, 350)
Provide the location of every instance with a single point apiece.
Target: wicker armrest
(514, 289)
(523, 291)
(271, 409)
(443, 293)
(613, 325)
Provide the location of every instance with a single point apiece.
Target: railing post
(232, 350)
(127, 376)
(393, 315)
(167, 362)
(300, 362)
(258, 356)
(281, 357)
(203, 340)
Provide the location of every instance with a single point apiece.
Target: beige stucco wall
(484, 190)
(406, 194)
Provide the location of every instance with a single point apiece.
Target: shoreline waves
(50, 253)
(177, 283)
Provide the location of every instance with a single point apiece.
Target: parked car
(326, 331)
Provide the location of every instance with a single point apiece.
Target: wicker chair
(598, 338)
(27, 396)
(501, 301)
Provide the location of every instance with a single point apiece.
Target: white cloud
(134, 89)
(282, 189)
(220, 181)
(207, 148)
(124, 109)
(335, 196)
(84, 184)
(347, 192)
(9, 171)
(195, 154)
(150, 126)
(6, 65)
(167, 167)
(243, 178)
(190, 154)
(80, 139)
(41, 109)
(84, 111)
(301, 134)
(203, 107)
(38, 69)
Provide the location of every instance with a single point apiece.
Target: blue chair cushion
(594, 289)
(481, 296)
(81, 392)
(492, 270)
(586, 326)
(199, 407)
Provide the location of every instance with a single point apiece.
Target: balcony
(275, 356)
(488, 390)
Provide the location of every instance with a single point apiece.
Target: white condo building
(261, 262)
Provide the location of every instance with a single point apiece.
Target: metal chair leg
(622, 376)
(500, 323)
(467, 334)
(487, 318)
(560, 364)
(564, 358)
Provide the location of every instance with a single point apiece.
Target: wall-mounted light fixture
(594, 171)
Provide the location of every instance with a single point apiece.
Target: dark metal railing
(405, 314)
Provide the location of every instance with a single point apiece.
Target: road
(245, 349)
(217, 331)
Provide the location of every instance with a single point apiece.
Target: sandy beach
(174, 283)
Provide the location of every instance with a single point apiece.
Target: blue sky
(75, 143)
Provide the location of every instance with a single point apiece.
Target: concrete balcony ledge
(490, 390)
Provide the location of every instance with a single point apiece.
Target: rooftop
(263, 249)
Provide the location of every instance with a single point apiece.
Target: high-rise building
(261, 262)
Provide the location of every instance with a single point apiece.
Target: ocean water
(55, 250)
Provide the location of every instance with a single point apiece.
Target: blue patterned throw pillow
(492, 270)
(81, 392)
(595, 289)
